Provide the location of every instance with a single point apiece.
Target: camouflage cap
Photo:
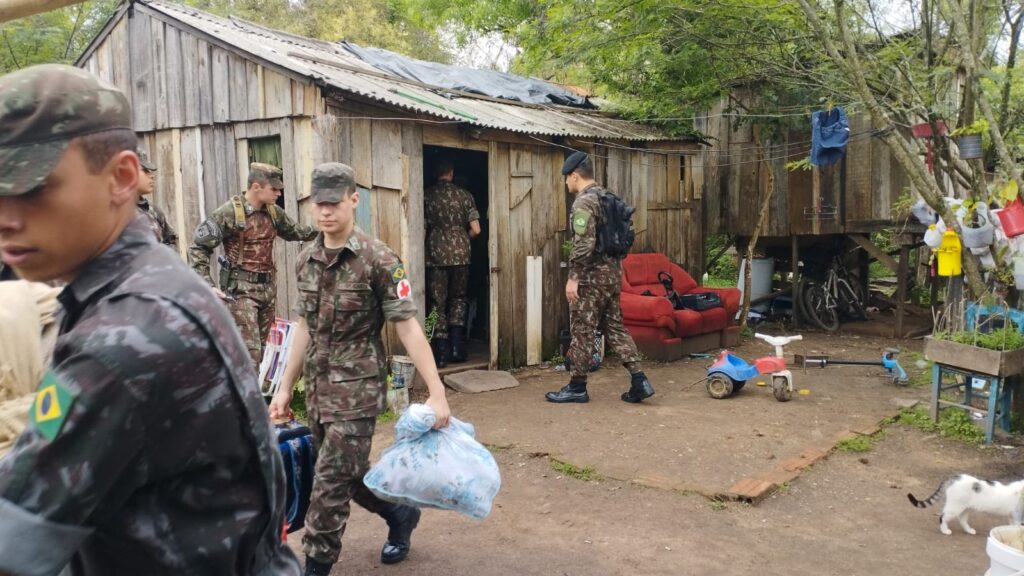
(42, 109)
(145, 162)
(267, 173)
(330, 182)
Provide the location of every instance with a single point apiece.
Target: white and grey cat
(965, 493)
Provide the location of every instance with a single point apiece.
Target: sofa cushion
(714, 319)
(640, 272)
(689, 323)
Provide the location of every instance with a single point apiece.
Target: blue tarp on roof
(486, 82)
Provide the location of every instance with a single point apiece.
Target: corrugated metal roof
(333, 66)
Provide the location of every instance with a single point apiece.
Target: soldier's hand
(439, 404)
(572, 293)
(280, 405)
(220, 294)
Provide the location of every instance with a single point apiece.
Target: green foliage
(953, 423)
(56, 36)
(429, 324)
(375, 23)
(747, 332)
(387, 416)
(802, 164)
(298, 404)
(557, 359)
(977, 127)
(718, 505)
(1005, 338)
(586, 473)
(723, 272)
(855, 444)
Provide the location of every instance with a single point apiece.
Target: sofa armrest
(647, 310)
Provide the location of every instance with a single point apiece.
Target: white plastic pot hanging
(984, 254)
(923, 212)
(980, 236)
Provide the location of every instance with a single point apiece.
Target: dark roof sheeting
(334, 67)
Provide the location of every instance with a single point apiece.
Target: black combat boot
(574, 391)
(316, 568)
(402, 520)
(639, 389)
(440, 346)
(458, 346)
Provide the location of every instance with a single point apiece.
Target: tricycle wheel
(719, 386)
(780, 389)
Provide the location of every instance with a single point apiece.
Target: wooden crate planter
(973, 358)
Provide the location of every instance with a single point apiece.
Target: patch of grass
(953, 423)
(716, 282)
(586, 473)
(718, 505)
(557, 359)
(747, 332)
(855, 444)
(387, 416)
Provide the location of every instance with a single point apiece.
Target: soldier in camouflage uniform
(148, 448)
(593, 290)
(246, 225)
(451, 220)
(163, 231)
(349, 284)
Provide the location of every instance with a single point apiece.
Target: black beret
(573, 162)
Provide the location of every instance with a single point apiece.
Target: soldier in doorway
(451, 220)
(163, 231)
(246, 225)
(593, 290)
(349, 285)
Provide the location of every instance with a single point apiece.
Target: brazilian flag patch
(579, 221)
(51, 407)
(398, 273)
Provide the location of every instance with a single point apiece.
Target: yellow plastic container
(949, 254)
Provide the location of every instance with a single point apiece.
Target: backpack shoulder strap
(236, 203)
(275, 214)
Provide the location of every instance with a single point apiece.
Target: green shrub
(953, 423)
(1005, 338)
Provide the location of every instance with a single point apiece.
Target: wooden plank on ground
(534, 309)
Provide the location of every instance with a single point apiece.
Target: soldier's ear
(355, 197)
(124, 177)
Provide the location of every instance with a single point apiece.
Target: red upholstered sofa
(666, 334)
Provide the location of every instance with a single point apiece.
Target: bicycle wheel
(820, 311)
(852, 304)
(805, 287)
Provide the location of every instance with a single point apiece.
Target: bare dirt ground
(845, 515)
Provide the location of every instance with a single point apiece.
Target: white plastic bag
(444, 468)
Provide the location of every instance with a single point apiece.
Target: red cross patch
(404, 289)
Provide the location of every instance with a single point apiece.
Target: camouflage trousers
(343, 458)
(598, 308)
(253, 311)
(447, 288)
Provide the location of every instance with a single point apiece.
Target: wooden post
(797, 297)
(14, 9)
(901, 288)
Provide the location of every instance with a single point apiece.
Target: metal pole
(14, 9)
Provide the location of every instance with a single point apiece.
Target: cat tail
(935, 495)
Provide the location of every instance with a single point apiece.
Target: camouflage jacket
(586, 265)
(148, 449)
(158, 222)
(345, 302)
(447, 211)
(251, 248)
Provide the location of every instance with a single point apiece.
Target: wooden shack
(211, 94)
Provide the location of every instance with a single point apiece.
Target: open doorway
(268, 151)
(471, 174)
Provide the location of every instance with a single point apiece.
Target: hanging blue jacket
(830, 131)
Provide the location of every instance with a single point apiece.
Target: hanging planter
(979, 234)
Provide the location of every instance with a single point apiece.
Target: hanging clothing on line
(830, 131)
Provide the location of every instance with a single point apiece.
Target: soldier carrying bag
(615, 236)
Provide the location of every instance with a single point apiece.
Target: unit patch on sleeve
(51, 407)
(398, 273)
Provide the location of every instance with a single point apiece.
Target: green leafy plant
(298, 404)
(953, 423)
(855, 444)
(901, 207)
(802, 164)
(557, 359)
(718, 505)
(387, 416)
(979, 126)
(429, 323)
(1005, 338)
(586, 473)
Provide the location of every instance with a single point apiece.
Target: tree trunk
(14, 9)
(761, 218)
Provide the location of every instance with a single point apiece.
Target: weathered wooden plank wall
(176, 79)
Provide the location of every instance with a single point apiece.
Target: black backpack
(615, 236)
